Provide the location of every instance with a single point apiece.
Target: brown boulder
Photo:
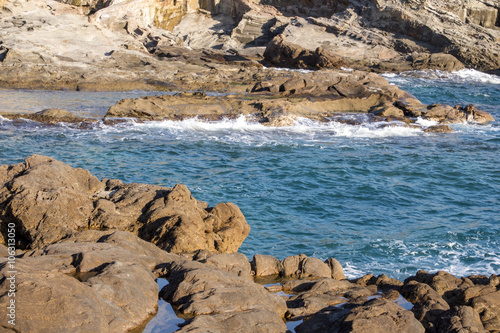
(323, 294)
(303, 267)
(200, 289)
(249, 321)
(441, 61)
(264, 265)
(88, 253)
(428, 305)
(488, 307)
(336, 268)
(236, 263)
(439, 129)
(59, 289)
(460, 319)
(444, 283)
(281, 53)
(130, 286)
(49, 201)
(325, 59)
(377, 316)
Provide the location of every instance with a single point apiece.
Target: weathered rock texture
(131, 44)
(377, 315)
(49, 201)
(103, 283)
(81, 272)
(278, 99)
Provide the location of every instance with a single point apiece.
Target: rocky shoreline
(83, 255)
(194, 48)
(279, 98)
(87, 253)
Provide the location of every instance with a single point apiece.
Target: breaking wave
(461, 76)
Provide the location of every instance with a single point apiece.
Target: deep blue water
(378, 199)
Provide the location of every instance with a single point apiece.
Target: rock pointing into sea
(50, 201)
(277, 99)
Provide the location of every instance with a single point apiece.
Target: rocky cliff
(130, 44)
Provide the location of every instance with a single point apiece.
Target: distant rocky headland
(210, 45)
(232, 47)
(86, 254)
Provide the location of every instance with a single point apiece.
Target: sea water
(378, 197)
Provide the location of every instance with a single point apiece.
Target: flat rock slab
(278, 99)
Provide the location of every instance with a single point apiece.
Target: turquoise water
(380, 199)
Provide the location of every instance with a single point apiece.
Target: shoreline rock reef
(195, 48)
(279, 98)
(88, 252)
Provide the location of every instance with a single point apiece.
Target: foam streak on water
(379, 197)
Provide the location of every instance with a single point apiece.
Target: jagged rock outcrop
(278, 99)
(443, 302)
(377, 315)
(138, 44)
(282, 54)
(49, 201)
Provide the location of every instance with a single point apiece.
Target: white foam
(476, 76)
(238, 124)
(2, 119)
(302, 126)
(351, 271)
(461, 76)
(426, 123)
(303, 71)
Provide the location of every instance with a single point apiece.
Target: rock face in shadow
(460, 319)
(377, 315)
(282, 54)
(49, 201)
(445, 303)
